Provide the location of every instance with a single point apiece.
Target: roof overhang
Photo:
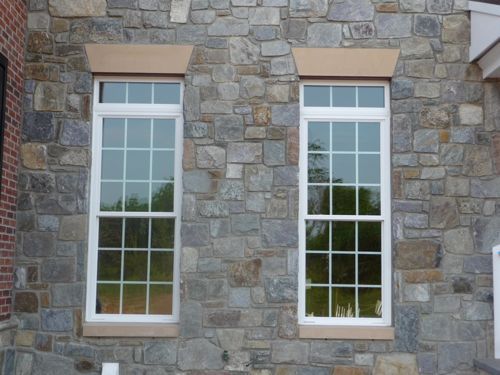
(485, 36)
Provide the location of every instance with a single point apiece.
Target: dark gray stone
(38, 244)
(279, 233)
(38, 126)
(160, 353)
(406, 323)
(57, 320)
(66, 295)
(58, 270)
(195, 234)
(208, 356)
(75, 133)
(281, 289)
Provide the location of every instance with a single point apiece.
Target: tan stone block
(261, 115)
(417, 254)
(423, 276)
(50, 97)
(387, 8)
(188, 159)
(411, 173)
(59, 25)
(348, 370)
(396, 364)
(444, 136)
(34, 156)
(397, 184)
(25, 338)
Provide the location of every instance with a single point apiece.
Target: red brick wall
(12, 32)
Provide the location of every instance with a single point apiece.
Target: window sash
(340, 114)
(149, 111)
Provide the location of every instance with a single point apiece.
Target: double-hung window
(134, 223)
(345, 267)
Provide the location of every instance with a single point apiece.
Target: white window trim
(100, 111)
(348, 114)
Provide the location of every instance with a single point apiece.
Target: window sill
(130, 330)
(346, 332)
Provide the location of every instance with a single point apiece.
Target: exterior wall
(239, 231)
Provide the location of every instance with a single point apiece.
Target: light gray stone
(390, 25)
(426, 140)
(264, 16)
(275, 48)
(179, 10)
(290, 352)
(230, 247)
(281, 289)
(160, 353)
(258, 178)
(244, 152)
(455, 356)
(77, 8)
(57, 320)
(210, 157)
(228, 128)
(324, 35)
(458, 241)
(66, 295)
(330, 352)
(243, 52)
(279, 233)
(228, 26)
(251, 87)
(308, 8)
(208, 356)
(351, 10)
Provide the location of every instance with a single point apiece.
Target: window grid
(166, 277)
(357, 116)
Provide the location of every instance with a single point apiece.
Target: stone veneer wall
(239, 231)
(13, 15)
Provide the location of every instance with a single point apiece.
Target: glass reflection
(344, 169)
(162, 233)
(111, 196)
(344, 136)
(109, 265)
(110, 232)
(318, 136)
(371, 96)
(343, 236)
(344, 96)
(135, 266)
(369, 200)
(369, 136)
(160, 299)
(318, 200)
(139, 133)
(112, 165)
(317, 269)
(136, 232)
(162, 266)
(108, 299)
(167, 93)
(344, 200)
(318, 168)
(343, 269)
(317, 301)
(344, 302)
(113, 92)
(136, 196)
(317, 96)
(113, 132)
(369, 269)
(140, 93)
(370, 302)
(162, 199)
(369, 169)
(369, 236)
(317, 235)
(134, 299)
(163, 133)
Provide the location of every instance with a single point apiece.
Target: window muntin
(344, 205)
(135, 203)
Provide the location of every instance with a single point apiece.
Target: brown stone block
(495, 146)
(423, 276)
(293, 148)
(444, 136)
(417, 254)
(26, 302)
(261, 115)
(188, 158)
(397, 184)
(387, 8)
(411, 173)
(245, 273)
(348, 370)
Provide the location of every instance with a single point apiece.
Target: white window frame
(101, 111)
(330, 114)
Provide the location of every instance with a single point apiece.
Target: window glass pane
(343, 269)
(109, 265)
(111, 196)
(140, 93)
(162, 266)
(167, 93)
(369, 136)
(343, 236)
(163, 165)
(135, 266)
(113, 92)
(162, 233)
(136, 196)
(370, 302)
(138, 165)
(108, 299)
(344, 169)
(317, 269)
(371, 96)
(139, 133)
(134, 299)
(160, 299)
(344, 302)
(112, 165)
(317, 235)
(344, 136)
(317, 301)
(318, 136)
(113, 132)
(162, 199)
(344, 96)
(163, 133)
(369, 200)
(319, 167)
(343, 200)
(369, 169)
(110, 232)
(369, 270)
(317, 96)
(369, 236)
(318, 200)
(136, 233)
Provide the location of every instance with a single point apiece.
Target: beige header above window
(138, 59)
(345, 62)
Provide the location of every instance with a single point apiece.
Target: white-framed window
(344, 209)
(134, 219)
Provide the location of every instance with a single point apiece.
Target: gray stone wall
(239, 222)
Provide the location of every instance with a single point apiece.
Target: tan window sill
(346, 332)
(130, 330)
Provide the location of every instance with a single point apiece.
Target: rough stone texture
(239, 234)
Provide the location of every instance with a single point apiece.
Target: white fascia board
(490, 62)
(485, 28)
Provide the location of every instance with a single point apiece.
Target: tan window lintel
(130, 330)
(346, 332)
(345, 62)
(138, 59)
